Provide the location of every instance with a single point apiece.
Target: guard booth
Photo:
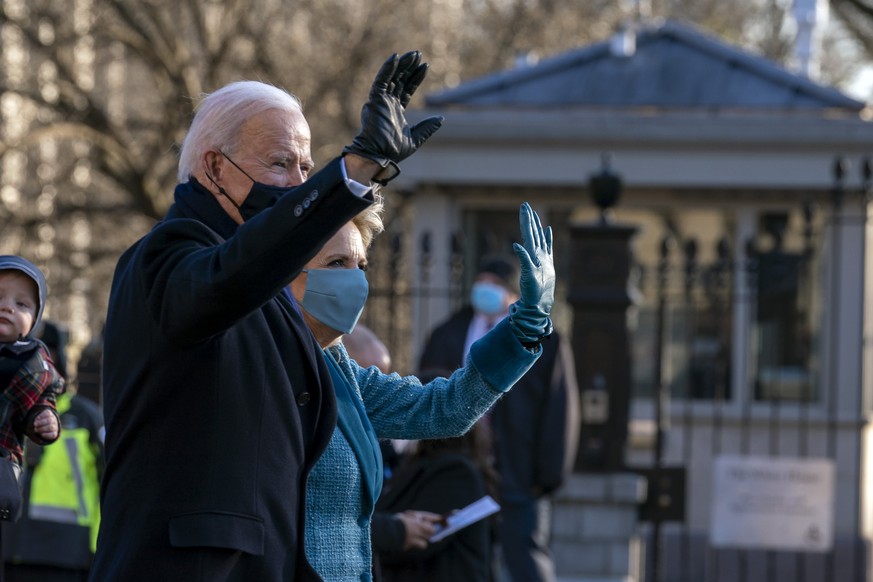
(744, 302)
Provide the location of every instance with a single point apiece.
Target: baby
(29, 382)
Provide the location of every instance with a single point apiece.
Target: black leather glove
(385, 137)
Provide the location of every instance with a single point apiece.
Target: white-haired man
(216, 403)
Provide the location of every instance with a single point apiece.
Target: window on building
(738, 301)
(786, 307)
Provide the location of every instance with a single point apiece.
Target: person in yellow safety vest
(56, 536)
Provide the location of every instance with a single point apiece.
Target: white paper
(467, 516)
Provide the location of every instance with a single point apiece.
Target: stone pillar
(594, 528)
(595, 515)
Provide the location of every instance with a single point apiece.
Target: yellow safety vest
(65, 487)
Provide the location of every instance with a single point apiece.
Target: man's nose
(296, 176)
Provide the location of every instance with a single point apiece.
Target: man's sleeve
(197, 285)
(387, 532)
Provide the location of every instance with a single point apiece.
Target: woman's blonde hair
(369, 222)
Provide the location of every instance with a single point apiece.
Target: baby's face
(18, 302)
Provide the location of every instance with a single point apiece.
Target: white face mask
(488, 298)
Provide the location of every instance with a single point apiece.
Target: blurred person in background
(365, 348)
(535, 427)
(441, 476)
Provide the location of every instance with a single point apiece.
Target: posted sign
(774, 503)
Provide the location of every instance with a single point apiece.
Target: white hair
(220, 116)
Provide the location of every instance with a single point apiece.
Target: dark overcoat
(535, 425)
(216, 398)
(439, 483)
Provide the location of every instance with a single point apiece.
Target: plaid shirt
(32, 389)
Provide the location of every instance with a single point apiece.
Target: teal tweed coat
(337, 536)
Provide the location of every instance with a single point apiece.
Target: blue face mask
(335, 297)
(488, 298)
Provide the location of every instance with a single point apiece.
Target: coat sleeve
(404, 408)
(387, 532)
(198, 285)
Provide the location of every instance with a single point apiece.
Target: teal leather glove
(530, 315)
(385, 137)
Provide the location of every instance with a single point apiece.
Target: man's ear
(212, 165)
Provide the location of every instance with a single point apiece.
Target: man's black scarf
(192, 200)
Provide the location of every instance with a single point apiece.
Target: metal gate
(751, 430)
(736, 358)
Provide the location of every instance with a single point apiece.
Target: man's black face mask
(261, 196)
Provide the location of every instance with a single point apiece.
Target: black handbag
(10, 491)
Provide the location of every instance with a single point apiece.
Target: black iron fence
(747, 386)
(736, 359)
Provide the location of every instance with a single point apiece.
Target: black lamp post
(600, 295)
(605, 187)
